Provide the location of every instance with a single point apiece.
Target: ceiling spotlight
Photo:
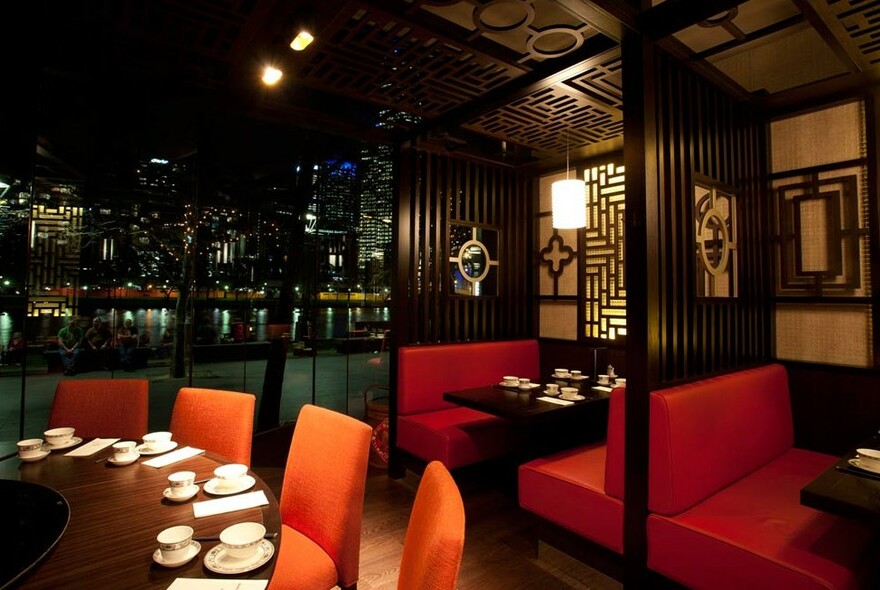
(301, 41)
(271, 75)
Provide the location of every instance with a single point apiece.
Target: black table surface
(525, 407)
(34, 517)
(846, 490)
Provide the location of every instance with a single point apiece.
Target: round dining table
(115, 513)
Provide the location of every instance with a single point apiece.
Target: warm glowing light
(271, 75)
(569, 202)
(302, 40)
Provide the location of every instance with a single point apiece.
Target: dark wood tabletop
(525, 407)
(845, 490)
(116, 513)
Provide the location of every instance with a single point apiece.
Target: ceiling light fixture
(302, 40)
(569, 200)
(271, 75)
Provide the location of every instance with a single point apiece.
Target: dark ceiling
(524, 78)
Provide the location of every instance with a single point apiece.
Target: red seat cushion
(456, 437)
(568, 489)
(755, 534)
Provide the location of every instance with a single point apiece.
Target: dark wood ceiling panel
(570, 114)
(856, 24)
(386, 60)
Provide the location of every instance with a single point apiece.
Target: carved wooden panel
(605, 290)
(54, 259)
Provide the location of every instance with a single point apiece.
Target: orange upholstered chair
(216, 420)
(434, 539)
(322, 502)
(102, 407)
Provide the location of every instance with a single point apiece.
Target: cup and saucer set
(156, 443)
(229, 479)
(55, 439)
(243, 547)
(181, 486)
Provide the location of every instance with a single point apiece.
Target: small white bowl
(229, 475)
(154, 440)
(241, 539)
(59, 436)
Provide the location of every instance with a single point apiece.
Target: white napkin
(229, 504)
(209, 584)
(91, 447)
(602, 388)
(553, 400)
(173, 457)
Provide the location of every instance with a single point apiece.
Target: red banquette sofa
(723, 493)
(433, 429)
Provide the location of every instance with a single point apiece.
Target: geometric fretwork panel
(858, 26)
(715, 235)
(388, 61)
(822, 234)
(605, 294)
(550, 118)
(53, 273)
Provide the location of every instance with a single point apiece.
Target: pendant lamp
(569, 200)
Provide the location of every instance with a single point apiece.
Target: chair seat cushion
(456, 437)
(755, 534)
(301, 563)
(568, 489)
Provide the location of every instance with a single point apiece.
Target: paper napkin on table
(602, 388)
(553, 400)
(174, 457)
(209, 584)
(229, 504)
(91, 447)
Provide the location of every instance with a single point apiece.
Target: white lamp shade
(569, 202)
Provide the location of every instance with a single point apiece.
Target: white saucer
(163, 448)
(572, 398)
(219, 562)
(190, 492)
(212, 486)
(864, 466)
(112, 460)
(38, 457)
(191, 552)
(506, 386)
(551, 393)
(577, 377)
(71, 443)
(558, 376)
(528, 387)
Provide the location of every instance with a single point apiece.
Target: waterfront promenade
(339, 382)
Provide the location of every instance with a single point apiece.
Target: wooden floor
(501, 551)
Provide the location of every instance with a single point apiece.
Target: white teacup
(552, 389)
(620, 381)
(125, 451)
(574, 374)
(229, 475)
(524, 383)
(155, 440)
(180, 481)
(59, 436)
(510, 380)
(174, 541)
(568, 392)
(603, 379)
(560, 372)
(30, 447)
(241, 540)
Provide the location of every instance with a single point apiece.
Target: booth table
(115, 513)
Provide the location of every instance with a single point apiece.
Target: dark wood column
(642, 269)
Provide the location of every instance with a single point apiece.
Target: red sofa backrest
(707, 434)
(615, 443)
(425, 372)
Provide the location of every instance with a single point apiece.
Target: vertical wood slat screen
(441, 190)
(703, 131)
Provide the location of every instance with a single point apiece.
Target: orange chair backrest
(102, 407)
(434, 540)
(322, 495)
(216, 420)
